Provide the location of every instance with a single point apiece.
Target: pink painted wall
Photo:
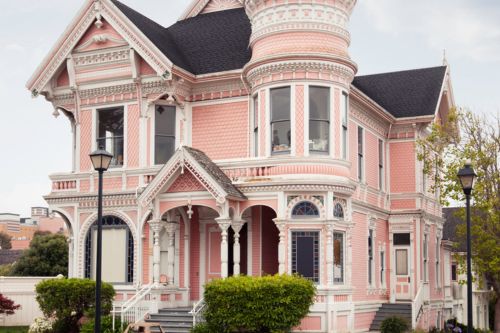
(270, 240)
(309, 323)
(371, 158)
(299, 120)
(402, 164)
(85, 139)
(363, 320)
(256, 241)
(215, 126)
(194, 256)
(132, 139)
(146, 252)
(106, 30)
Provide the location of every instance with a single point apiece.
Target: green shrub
(257, 304)
(394, 325)
(106, 325)
(69, 299)
(201, 328)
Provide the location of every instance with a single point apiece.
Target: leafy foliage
(394, 325)
(46, 256)
(257, 304)
(5, 241)
(68, 300)
(466, 136)
(7, 306)
(41, 325)
(106, 325)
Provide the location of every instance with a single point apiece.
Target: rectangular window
(110, 133)
(438, 257)
(401, 239)
(402, 262)
(164, 133)
(453, 272)
(380, 164)
(345, 113)
(426, 250)
(360, 153)
(256, 125)
(305, 254)
(319, 119)
(382, 268)
(280, 120)
(338, 257)
(370, 257)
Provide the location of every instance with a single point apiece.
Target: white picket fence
(22, 291)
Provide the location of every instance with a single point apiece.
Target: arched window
(338, 211)
(305, 209)
(117, 251)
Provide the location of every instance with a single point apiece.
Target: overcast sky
(387, 35)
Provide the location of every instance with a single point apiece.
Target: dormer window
(110, 133)
(281, 141)
(164, 133)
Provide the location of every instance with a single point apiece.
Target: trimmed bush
(68, 300)
(257, 304)
(394, 325)
(106, 325)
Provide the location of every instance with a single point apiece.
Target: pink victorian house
(244, 143)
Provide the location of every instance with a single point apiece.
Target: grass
(17, 329)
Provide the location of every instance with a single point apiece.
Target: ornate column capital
(224, 223)
(156, 225)
(237, 225)
(171, 227)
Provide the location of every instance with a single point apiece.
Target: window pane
(165, 120)
(281, 136)
(346, 108)
(344, 142)
(110, 133)
(319, 103)
(401, 262)
(338, 257)
(401, 239)
(256, 112)
(319, 135)
(164, 148)
(280, 104)
(305, 254)
(360, 140)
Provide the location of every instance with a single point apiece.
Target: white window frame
(255, 129)
(291, 151)
(438, 262)
(328, 121)
(383, 263)
(361, 153)
(425, 255)
(95, 129)
(343, 234)
(371, 259)
(177, 130)
(152, 134)
(344, 125)
(381, 166)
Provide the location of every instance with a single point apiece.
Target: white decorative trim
(102, 57)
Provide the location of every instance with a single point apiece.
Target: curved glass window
(117, 251)
(305, 209)
(319, 119)
(338, 211)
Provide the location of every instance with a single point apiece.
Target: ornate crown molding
(102, 57)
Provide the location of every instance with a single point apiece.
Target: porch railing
(198, 311)
(417, 305)
(134, 309)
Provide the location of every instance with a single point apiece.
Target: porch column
(156, 226)
(281, 225)
(237, 225)
(329, 253)
(224, 224)
(171, 227)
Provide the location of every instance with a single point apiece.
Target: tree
(5, 243)
(46, 256)
(7, 306)
(466, 136)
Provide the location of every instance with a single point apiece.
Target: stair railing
(417, 305)
(133, 310)
(198, 311)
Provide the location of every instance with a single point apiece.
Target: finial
(445, 61)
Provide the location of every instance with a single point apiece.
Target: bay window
(280, 120)
(110, 133)
(319, 119)
(164, 133)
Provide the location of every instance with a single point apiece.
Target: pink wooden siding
(270, 240)
(402, 167)
(194, 255)
(299, 120)
(85, 139)
(133, 136)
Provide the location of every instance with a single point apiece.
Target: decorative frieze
(100, 58)
(109, 90)
(345, 190)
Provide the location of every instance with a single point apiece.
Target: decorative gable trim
(207, 6)
(95, 10)
(181, 161)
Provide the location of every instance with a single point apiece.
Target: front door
(403, 279)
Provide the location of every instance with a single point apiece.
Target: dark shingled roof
(452, 220)
(215, 172)
(409, 93)
(206, 43)
(219, 41)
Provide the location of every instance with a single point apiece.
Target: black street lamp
(466, 176)
(101, 160)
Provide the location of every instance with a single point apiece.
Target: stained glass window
(305, 208)
(338, 211)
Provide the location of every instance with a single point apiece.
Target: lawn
(19, 329)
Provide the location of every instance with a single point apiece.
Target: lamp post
(101, 160)
(466, 176)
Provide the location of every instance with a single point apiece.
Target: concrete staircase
(402, 310)
(173, 320)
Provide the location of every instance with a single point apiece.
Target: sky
(387, 35)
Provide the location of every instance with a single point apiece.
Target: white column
(237, 225)
(156, 226)
(71, 258)
(281, 225)
(329, 253)
(224, 225)
(171, 227)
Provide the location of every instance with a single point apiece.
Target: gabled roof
(206, 43)
(410, 93)
(202, 167)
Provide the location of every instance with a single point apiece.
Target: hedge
(257, 304)
(68, 300)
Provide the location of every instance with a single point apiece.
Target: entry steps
(402, 310)
(177, 320)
